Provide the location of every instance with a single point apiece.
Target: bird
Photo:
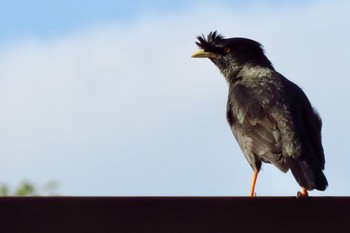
(271, 117)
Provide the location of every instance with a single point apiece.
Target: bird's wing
(255, 130)
(303, 120)
(300, 128)
(277, 124)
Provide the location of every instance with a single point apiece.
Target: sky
(104, 98)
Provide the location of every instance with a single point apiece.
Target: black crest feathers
(213, 39)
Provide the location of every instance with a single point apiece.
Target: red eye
(227, 50)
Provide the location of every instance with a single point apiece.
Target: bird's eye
(227, 50)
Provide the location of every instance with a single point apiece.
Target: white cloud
(118, 110)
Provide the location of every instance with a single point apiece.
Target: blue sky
(20, 18)
(103, 96)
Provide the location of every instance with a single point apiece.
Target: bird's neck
(228, 69)
(247, 71)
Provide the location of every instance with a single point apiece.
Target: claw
(302, 193)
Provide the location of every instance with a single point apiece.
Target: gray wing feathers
(275, 123)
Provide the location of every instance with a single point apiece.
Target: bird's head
(231, 54)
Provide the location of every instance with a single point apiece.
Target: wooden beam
(174, 214)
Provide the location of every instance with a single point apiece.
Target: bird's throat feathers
(230, 72)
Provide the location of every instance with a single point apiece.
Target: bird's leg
(252, 187)
(303, 193)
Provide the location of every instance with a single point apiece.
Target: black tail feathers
(308, 173)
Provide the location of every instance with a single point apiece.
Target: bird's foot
(302, 193)
(252, 194)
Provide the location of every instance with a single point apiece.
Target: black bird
(270, 116)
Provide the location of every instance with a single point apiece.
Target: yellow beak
(203, 54)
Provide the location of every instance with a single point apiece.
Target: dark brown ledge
(174, 214)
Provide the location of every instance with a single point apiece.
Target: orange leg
(303, 193)
(252, 187)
